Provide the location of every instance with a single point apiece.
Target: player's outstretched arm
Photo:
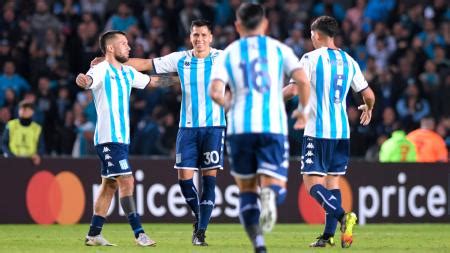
(138, 63)
(303, 91)
(163, 81)
(83, 81)
(369, 101)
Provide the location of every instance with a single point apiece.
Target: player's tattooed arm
(164, 80)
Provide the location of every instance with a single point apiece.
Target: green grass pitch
(228, 238)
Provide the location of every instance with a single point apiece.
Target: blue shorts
(200, 147)
(252, 154)
(325, 156)
(114, 159)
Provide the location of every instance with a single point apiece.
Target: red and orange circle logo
(57, 198)
(312, 212)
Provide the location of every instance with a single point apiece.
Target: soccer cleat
(347, 224)
(199, 238)
(322, 242)
(97, 240)
(144, 240)
(261, 249)
(194, 231)
(268, 216)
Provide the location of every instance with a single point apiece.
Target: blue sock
(280, 192)
(135, 223)
(249, 217)
(96, 225)
(207, 201)
(330, 221)
(190, 195)
(328, 201)
(248, 208)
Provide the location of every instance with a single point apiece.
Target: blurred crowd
(401, 46)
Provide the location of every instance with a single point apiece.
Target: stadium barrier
(62, 191)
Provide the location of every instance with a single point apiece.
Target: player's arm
(290, 91)
(138, 63)
(84, 81)
(216, 91)
(302, 86)
(163, 81)
(369, 101)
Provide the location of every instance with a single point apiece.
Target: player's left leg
(126, 187)
(272, 160)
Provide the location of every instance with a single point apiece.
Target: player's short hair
(200, 23)
(327, 25)
(250, 15)
(106, 37)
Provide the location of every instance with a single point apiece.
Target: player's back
(255, 67)
(331, 72)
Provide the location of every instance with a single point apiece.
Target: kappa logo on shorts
(110, 164)
(178, 158)
(309, 153)
(106, 149)
(108, 157)
(123, 164)
(309, 161)
(310, 145)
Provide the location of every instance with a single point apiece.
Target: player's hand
(366, 115)
(84, 81)
(300, 123)
(36, 159)
(97, 60)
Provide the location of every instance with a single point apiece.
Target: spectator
(122, 20)
(10, 79)
(330, 8)
(42, 20)
(430, 38)
(355, 14)
(430, 147)
(66, 135)
(412, 107)
(22, 137)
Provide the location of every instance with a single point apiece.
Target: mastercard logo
(55, 198)
(312, 212)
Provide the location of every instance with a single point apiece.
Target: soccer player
(325, 150)
(200, 138)
(254, 67)
(111, 83)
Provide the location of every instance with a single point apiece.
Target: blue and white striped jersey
(197, 107)
(331, 73)
(111, 88)
(254, 68)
